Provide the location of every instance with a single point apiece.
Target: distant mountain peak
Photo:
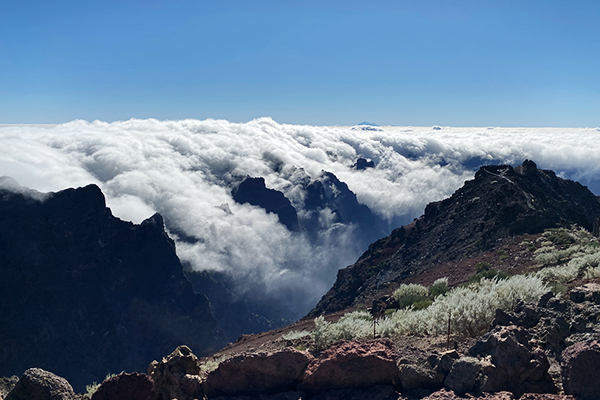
(367, 123)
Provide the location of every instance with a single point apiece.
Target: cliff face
(85, 294)
(500, 202)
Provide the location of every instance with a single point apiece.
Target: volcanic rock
(463, 375)
(580, 366)
(125, 386)
(257, 373)
(86, 294)
(450, 395)
(352, 364)
(500, 202)
(417, 377)
(253, 191)
(516, 363)
(37, 384)
(176, 376)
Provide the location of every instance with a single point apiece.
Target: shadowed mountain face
(85, 294)
(500, 202)
(253, 191)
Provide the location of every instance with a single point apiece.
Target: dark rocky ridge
(325, 204)
(500, 202)
(85, 294)
(253, 191)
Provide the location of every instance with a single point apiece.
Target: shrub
(407, 295)
(482, 266)
(471, 309)
(292, 335)
(562, 274)
(321, 335)
(488, 274)
(560, 238)
(439, 287)
(502, 254)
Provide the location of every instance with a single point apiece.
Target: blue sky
(421, 62)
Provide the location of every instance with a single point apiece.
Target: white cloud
(184, 170)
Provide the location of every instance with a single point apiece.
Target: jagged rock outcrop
(580, 365)
(253, 191)
(327, 192)
(38, 384)
(450, 395)
(513, 362)
(500, 202)
(125, 386)
(176, 376)
(462, 378)
(86, 294)
(363, 163)
(258, 373)
(351, 364)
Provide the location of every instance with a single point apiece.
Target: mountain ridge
(85, 293)
(499, 202)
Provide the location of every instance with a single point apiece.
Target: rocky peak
(85, 294)
(254, 191)
(501, 201)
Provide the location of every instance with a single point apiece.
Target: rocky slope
(85, 294)
(500, 202)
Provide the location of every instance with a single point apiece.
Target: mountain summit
(500, 202)
(85, 293)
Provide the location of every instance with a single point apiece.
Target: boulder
(352, 364)
(579, 368)
(546, 396)
(463, 375)
(257, 373)
(37, 384)
(588, 292)
(125, 386)
(6, 384)
(515, 362)
(450, 395)
(176, 376)
(413, 376)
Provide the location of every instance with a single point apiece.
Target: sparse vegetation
(93, 387)
(579, 256)
(470, 308)
(484, 270)
(293, 335)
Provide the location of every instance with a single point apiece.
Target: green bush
(407, 295)
(488, 274)
(482, 266)
(560, 238)
(439, 287)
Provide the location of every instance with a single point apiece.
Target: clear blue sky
(401, 62)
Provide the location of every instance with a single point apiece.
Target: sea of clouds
(185, 171)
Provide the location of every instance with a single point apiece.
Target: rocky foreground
(549, 350)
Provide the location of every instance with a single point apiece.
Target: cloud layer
(185, 170)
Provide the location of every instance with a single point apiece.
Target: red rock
(125, 387)
(580, 365)
(352, 364)
(257, 373)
